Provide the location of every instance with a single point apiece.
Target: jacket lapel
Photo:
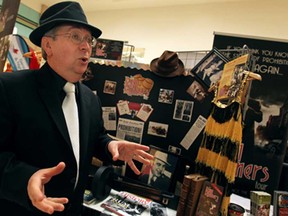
(50, 96)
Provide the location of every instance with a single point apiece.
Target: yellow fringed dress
(218, 153)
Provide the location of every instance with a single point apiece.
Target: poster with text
(265, 114)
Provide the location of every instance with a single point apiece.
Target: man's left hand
(129, 151)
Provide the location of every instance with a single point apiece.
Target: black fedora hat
(60, 13)
(167, 65)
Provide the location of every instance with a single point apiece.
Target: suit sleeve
(14, 174)
(103, 139)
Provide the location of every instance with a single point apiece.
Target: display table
(239, 200)
(97, 207)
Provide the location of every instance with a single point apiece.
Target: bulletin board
(140, 106)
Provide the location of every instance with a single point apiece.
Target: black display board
(167, 125)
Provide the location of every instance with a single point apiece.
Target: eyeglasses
(76, 38)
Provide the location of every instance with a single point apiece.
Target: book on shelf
(189, 195)
(126, 204)
(210, 199)
(280, 203)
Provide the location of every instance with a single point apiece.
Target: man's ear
(45, 44)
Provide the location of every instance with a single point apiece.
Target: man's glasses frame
(76, 38)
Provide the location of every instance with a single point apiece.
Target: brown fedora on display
(61, 13)
(167, 65)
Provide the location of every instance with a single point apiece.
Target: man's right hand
(36, 190)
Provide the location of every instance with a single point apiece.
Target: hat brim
(155, 69)
(37, 34)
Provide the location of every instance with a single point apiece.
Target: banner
(8, 14)
(265, 123)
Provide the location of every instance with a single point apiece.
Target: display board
(8, 14)
(265, 122)
(145, 108)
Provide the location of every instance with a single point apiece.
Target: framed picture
(160, 174)
(108, 49)
(209, 70)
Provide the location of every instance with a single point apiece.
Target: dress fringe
(218, 154)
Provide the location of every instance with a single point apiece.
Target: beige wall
(190, 28)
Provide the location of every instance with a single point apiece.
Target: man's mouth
(84, 59)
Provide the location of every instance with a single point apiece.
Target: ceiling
(96, 5)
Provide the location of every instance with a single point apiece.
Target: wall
(29, 19)
(190, 28)
(187, 28)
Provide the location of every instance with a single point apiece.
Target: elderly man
(51, 124)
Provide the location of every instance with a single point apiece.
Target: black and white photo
(209, 69)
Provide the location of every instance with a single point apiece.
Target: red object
(9, 68)
(134, 106)
(34, 64)
(235, 210)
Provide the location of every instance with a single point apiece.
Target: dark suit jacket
(33, 135)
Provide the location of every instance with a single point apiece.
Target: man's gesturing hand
(36, 190)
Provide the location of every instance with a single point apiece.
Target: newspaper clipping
(130, 130)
